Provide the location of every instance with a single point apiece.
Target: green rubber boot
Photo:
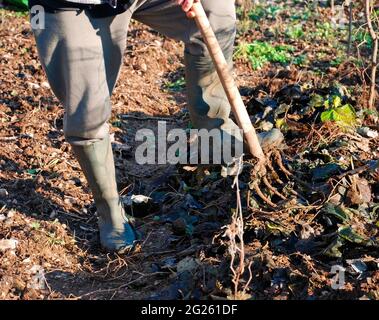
(209, 107)
(96, 161)
(271, 140)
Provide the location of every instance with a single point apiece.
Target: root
(262, 196)
(274, 174)
(289, 174)
(297, 194)
(279, 162)
(259, 175)
(272, 188)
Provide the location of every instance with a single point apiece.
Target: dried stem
(234, 231)
(374, 56)
(349, 40)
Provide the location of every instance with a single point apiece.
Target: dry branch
(374, 56)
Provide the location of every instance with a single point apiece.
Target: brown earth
(46, 205)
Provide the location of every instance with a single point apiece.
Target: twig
(374, 56)
(234, 231)
(288, 173)
(119, 287)
(145, 118)
(262, 196)
(358, 170)
(272, 188)
(15, 137)
(349, 40)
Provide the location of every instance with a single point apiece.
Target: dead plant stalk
(236, 248)
(374, 56)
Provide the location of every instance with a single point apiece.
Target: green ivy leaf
(337, 211)
(347, 233)
(32, 172)
(336, 101)
(344, 116)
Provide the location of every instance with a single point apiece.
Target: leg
(82, 56)
(207, 102)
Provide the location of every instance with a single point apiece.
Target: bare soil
(45, 203)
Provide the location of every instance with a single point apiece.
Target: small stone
(53, 214)
(179, 227)
(3, 193)
(187, 264)
(8, 244)
(33, 85)
(18, 284)
(368, 133)
(35, 269)
(136, 199)
(143, 67)
(10, 214)
(266, 125)
(37, 281)
(45, 85)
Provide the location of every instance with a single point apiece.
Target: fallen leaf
(359, 192)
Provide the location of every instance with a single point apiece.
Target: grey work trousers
(82, 56)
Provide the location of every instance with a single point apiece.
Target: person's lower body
(82, 55)
(81, 51)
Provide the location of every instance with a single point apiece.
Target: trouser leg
(82, 56)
